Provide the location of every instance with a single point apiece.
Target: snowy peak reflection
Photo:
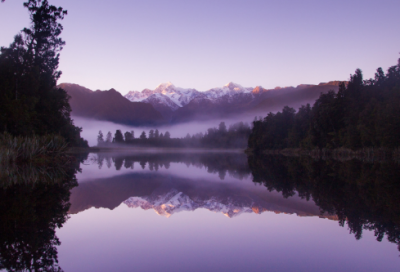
(175, 201)
(164, 189)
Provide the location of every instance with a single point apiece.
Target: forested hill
(362, 114)
(110, 106)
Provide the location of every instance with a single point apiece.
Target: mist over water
(91, 127)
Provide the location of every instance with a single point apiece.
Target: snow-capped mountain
(229, 89)
(158, 99)
(167, 92)
(182, 105)
(175, 201)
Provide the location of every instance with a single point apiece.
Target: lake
(202, 211)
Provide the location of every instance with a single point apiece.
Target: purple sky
(132, 45)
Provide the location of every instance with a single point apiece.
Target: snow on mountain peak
(165, 86)
(181, 97)
(233, 86)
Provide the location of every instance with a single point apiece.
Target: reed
(26, 149)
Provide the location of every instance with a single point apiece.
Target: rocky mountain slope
(181, 105)
(110, 106)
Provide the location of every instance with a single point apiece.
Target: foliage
(118, 138)
(30, 102)
(24, 149)
(363, 114)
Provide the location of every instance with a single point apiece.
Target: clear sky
(132, 45)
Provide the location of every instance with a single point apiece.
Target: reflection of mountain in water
(167, 193)
(173, 201)
(361, 195)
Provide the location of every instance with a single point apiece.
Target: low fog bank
(91, 127)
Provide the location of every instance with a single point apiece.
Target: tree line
(236, 136)
(30, 102)
(362, 114)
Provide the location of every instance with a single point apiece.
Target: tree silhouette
(109, 137)
(151, 134)
(362, 114)
(30, 102)
(118, 138)
(100, 138)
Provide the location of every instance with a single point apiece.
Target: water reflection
(232, 163)
(168, 192)
(34, 202)
(363, 195)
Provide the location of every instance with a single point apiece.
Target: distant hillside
(289, 96)
(110, 106)
(258, 101)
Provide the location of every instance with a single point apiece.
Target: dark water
(201, 212)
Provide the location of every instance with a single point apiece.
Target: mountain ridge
(170, 104)
(110, 106)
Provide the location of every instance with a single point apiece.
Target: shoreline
(341, 154)
(129, 149)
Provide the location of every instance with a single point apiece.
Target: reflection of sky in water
(135, 240)
(115, 237)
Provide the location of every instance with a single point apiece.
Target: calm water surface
(226, 212)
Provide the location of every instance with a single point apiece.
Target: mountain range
(170, 104)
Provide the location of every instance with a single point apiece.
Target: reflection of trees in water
(34, 202)
(365, 195)
(234, 164)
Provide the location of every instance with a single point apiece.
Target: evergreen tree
(109, 137)
(128, 136)
(156, 134)
(118, 138)
(151, 134)
(30, 102)
(143, 135)
(100, 138)
(222, 127)
(363, 113)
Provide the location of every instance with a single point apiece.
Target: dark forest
(363, 114)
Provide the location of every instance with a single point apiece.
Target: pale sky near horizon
(132, 45)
